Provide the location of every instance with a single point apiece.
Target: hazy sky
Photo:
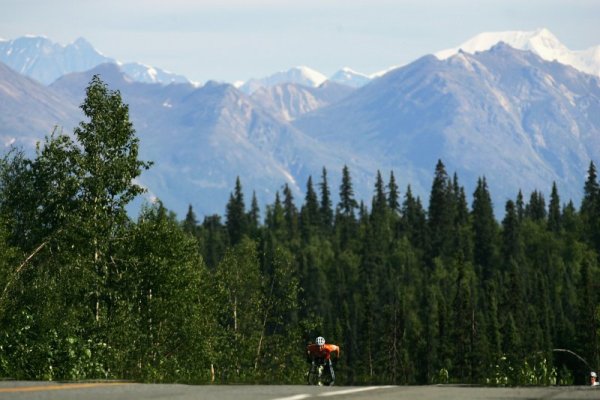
(232, 40)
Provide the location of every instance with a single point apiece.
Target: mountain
(45, 61)
(507, 114)
(147, 74)
(30, 110)
(348, 77)
(288, 100)
(541, 42)
(299, 75)
(201, 139)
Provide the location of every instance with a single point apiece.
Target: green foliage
(413, 294)
(532, 370)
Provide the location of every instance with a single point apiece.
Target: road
(133, 391)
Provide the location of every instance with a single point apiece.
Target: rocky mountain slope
(508, 114)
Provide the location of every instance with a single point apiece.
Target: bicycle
(319, 375)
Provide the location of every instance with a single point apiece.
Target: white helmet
(593, 374)
(320, 341)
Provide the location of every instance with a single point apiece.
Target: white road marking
(349, 391)
(335, 393)
(295, 397)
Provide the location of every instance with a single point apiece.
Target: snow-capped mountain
(507, 114)
(45, 61)
(541, 42)
(288, 100)
(148, 74)
(299, 75)
(348, 77)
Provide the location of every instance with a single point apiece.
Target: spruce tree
(512, 245)
(348, 204)
(379, 203)
(190, 223)
(414, 221)
(345, 218)
(309, 215)
(254, 217)
(484, 228)
(520, 206)
(554, 217)
(275, 219)
(441, 213)
(536, 208)
(237, 221)
(290, 212)
(590, 208)
(393, 194)
(216, 240)
(325, 209)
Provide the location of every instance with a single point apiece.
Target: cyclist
(320, 353)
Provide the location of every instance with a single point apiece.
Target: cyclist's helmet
(320, 341)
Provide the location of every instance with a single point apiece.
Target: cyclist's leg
(331, 372)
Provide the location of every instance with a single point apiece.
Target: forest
(412, 293)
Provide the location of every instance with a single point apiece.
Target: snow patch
(541, 42)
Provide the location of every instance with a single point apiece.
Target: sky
(233, 40)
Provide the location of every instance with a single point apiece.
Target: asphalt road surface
(135, 391)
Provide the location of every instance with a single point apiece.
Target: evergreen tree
(345, 219)
(463, 238)
(484, 228)
(393, 194)
(216, 240)
(520, 206)
(347, 205)
(591, 191)
(237, 221)
(190, 223)
(554, 217)
(536, 208)
(588, 318)
(290, 212)
(463, 329)
(309, 215)
(254, 217)
(275, 220)
(379, 203)
(590, 208)
(325, 209)
(414, 221)
(512, 245)
(441, 213)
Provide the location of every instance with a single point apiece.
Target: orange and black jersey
(322, 352)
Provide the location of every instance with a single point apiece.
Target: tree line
(413, 293)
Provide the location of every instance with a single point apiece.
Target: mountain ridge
(467, 113)
(521, 121)
(45, 61)
(541, 42)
